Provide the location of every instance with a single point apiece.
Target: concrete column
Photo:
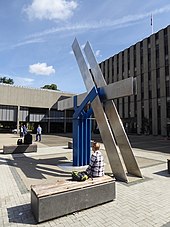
(110, 80)
(145, 81)
(65, 121)
(119, 60)
(107, 71)
(162, 84)
(132, 106)
(48, 121)
(18, 118)
(163, 117)
(115, 76)
(126, 110)
(154, 87)
(139, 106)
(168, 33)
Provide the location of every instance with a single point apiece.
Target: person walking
(21, 131)
(39, 133)
(24, 130)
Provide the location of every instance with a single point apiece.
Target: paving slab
(142, 202)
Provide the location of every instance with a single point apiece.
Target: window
(117, 64)
(128, 59)
(158, 93)
(157, 36)
(157, 55)
(149, 76)
(149, 41)
(168, 109)
(112, 69)
(158, 73)
(166, 48)
(167, 88)
(166, 70)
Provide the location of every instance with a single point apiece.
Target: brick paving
(143, 202)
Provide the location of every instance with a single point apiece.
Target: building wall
(148, 61)
(8, 113)
(27, 105)
(21, 96)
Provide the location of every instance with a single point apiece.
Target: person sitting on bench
(96, 166)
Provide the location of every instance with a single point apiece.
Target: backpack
(79, 176)
(19, 141)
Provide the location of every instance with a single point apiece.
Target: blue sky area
(36, 35)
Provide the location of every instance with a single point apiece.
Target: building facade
(148, 61)
(20, 105)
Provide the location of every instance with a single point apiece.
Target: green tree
(5, 80)
(51, 87)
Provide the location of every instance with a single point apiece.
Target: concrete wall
(148, 62)
(20, 96)
(20, 104)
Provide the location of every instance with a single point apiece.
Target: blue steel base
(81, 141)
(82, 130)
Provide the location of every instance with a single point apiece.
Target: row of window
(150, 50)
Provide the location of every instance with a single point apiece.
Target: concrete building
(20, 105)
(148, 61)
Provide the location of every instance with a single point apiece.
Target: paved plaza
(142, 202)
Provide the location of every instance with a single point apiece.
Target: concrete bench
(23, 148)
(64, 197)
(70, 144)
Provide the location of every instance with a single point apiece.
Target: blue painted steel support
(75, 137)
(82, 130)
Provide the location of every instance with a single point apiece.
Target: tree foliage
(51, 87)
(6, 80)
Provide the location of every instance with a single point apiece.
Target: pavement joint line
(21, 186)
(157, 147)
(140, 203)
(158, 162)
(138, 181)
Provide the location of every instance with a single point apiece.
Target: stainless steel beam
(113, 116)
(112, 91)
(118, 89)
(104, 127)
(68, 103)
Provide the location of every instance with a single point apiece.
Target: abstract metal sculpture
(110, 126)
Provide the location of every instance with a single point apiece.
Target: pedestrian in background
(21, 131)
(39, 133)
(24, 130)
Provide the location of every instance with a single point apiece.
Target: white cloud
(18, 80)
(51, 9)
(23, 81)
(27, 42)
(28, 80)
(82, 46)
(97, 53)
(125, 21)
(41, 69)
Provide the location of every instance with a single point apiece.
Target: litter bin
(168, 164)
(28, 139)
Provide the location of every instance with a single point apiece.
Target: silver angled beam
(113, 116)
(112, 91)
(104, 127)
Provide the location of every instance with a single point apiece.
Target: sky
(36, 36)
